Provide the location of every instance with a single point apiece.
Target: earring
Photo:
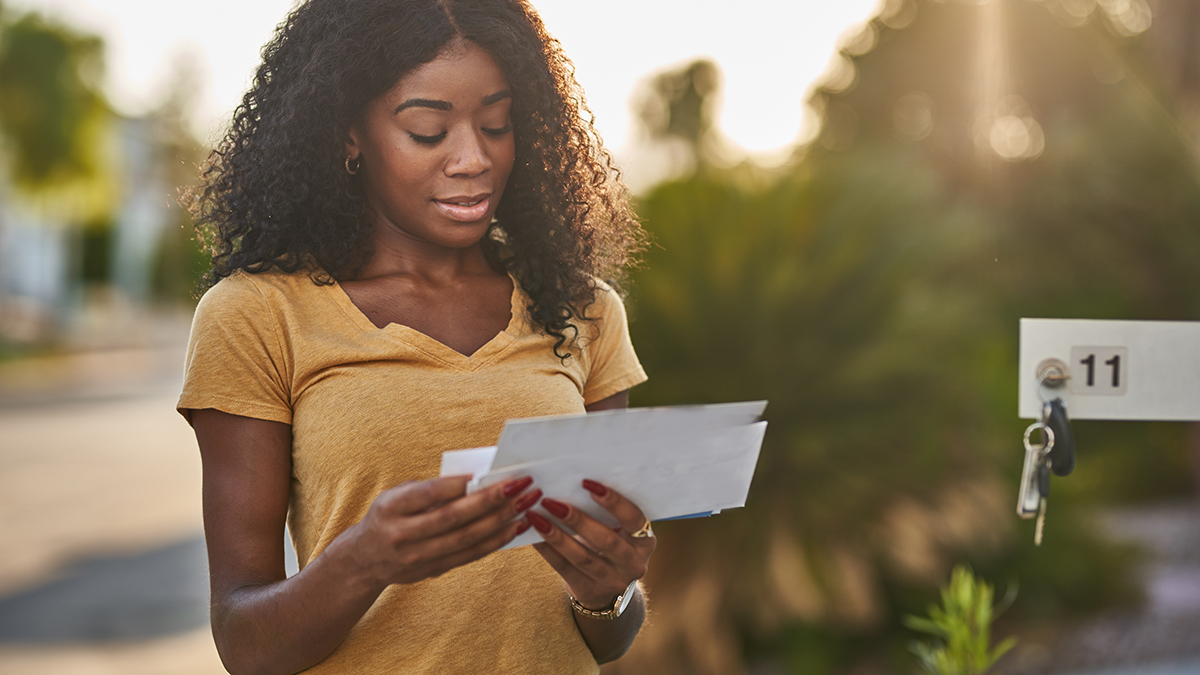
(352, 169)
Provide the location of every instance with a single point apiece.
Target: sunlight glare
(770, 52)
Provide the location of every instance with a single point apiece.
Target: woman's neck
(396, 253)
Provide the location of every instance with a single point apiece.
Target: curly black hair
(275, 193)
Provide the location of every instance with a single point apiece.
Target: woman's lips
(465, 209)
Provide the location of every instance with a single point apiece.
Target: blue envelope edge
(703, 514)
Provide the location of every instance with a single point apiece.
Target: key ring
(1047, 434)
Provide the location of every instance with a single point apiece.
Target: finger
(413, 497)
(599, 537)
(479, 549)
(512, 487)
(470, 534)
(625, 511)
(575, 579)
(559, 564)
(497, 502)
(583, 588)
(585, 561)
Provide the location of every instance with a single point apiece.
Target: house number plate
(1116, 370)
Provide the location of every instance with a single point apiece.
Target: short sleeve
(236, 359)
(613, 365)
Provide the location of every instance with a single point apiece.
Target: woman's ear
(353, 143)
(354, 147)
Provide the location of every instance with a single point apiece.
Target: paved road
(103, 569)
(127, 597)
(1163, 637)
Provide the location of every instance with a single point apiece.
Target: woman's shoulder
(264, 299)
(270, 286)
(606, 300)
(604, 315)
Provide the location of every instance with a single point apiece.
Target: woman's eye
(499, 131)
(427, 140)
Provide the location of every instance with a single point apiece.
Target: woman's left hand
(601, 561)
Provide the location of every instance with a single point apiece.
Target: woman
(409, 215)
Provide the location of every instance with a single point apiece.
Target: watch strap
(617, 608)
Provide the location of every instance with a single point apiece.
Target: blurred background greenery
(89, 225)
(976, 162)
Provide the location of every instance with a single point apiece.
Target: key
(1029, 495)
(1043, 478)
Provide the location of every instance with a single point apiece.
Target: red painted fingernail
(539, 523)
(513, 487)
(556, 508)
(528, 500)
(524, 525)
(594, 488)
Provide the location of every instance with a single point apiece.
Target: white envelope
(672, 462)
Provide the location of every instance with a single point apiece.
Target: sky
(770, 53)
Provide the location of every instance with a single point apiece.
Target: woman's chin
(464, 235)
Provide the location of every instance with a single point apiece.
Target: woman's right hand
(419, 530)
(263, 621)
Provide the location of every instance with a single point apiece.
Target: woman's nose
(468, 156)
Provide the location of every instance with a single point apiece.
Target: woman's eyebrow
(498, 96)
(446, 105)
(423, 103)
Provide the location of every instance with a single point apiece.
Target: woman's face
(437, 148)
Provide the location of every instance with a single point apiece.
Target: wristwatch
(611, 613)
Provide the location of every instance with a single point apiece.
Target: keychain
(1035, 477)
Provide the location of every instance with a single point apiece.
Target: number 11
(1114, 362)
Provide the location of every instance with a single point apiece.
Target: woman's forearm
(610, 639)
(285, 626)
(264, 623)
(412, 532)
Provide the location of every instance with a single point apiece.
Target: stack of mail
(673, 462)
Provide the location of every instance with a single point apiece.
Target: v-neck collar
(435, 348)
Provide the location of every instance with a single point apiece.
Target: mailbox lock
(1052, 373)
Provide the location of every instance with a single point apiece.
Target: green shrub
(961, 628)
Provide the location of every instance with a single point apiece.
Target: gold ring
(644, 532)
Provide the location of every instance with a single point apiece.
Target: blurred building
(54, 269)
(87, 194)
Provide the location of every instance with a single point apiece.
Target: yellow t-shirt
(371, 408)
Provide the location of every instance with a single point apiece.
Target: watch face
(626, 597)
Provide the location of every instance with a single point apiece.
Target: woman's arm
(264, 622)
(617, 401)
(595, 580)
(600, 567)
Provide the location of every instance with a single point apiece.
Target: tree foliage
(872, 294)
(51, 112)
